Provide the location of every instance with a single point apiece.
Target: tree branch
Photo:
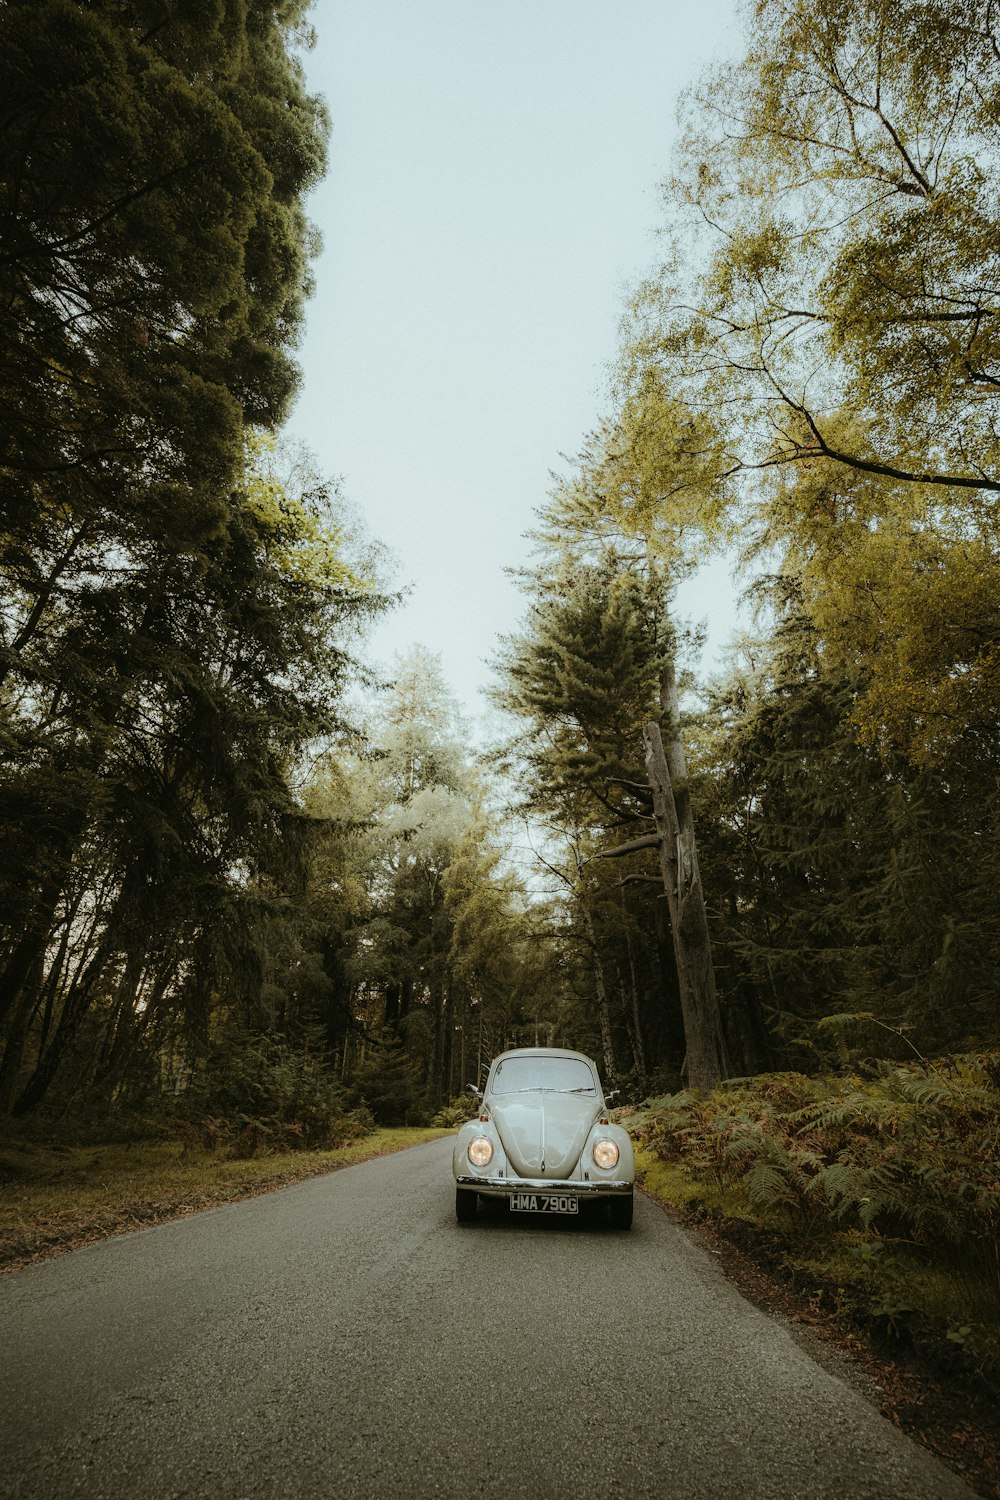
(648, 841)
(868, 466)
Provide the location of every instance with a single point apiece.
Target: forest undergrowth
(866, 1208)
(879, 1196)
(883, 1193)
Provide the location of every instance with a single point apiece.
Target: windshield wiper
(542, 1088)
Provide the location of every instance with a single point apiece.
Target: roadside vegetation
(58, 1196)
(877, 1195)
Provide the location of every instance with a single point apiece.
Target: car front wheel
(620, 1210)
(465, 1205)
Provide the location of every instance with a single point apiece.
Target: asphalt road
(347, 1338)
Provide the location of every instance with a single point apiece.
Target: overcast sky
(492, 193)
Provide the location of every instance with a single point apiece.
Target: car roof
(544, 1052)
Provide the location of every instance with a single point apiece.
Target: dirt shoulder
(55, 1198)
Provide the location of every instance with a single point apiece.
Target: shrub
(268, 1094)
(456, 1112)
(388, 1083)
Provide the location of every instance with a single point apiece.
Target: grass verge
(58, 1197)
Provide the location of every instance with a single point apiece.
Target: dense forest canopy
(243, 878)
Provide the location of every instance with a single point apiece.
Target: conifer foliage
(590, 678)
(168, 643)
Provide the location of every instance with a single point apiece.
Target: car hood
(544, 1134)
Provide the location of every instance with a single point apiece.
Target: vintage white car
(542, 1140)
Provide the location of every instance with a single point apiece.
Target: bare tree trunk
(440, 1060)
(461, 1065)
(143, 990)
(479, 1050)
(391, 1009)
(705, 1056)
(629, 1019)
(54, 978)
(447, 1039)
(31, 945)
(78, 1002)
(603, 1014)
(638, 1047)
(17, 1037)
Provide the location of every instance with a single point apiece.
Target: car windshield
(566, 1075)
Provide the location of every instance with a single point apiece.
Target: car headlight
(480, 1151)
(605, 1153)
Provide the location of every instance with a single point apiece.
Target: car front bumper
(499, 1187)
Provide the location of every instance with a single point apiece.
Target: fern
(912, 1154)
(769, 1188)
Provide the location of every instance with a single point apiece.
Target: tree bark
(78, 1002)
(440, 1042)
(705, 1054)
(17, 1038)
(31, 945)
(603, 1014)
(638, 1047)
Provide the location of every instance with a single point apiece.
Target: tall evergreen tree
(187, 830)
(591, 676)
(847, 881)
(154, 254)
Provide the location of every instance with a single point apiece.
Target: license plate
(544, 1203)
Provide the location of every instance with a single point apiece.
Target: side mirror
(470, 1088)
(611, 1094)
